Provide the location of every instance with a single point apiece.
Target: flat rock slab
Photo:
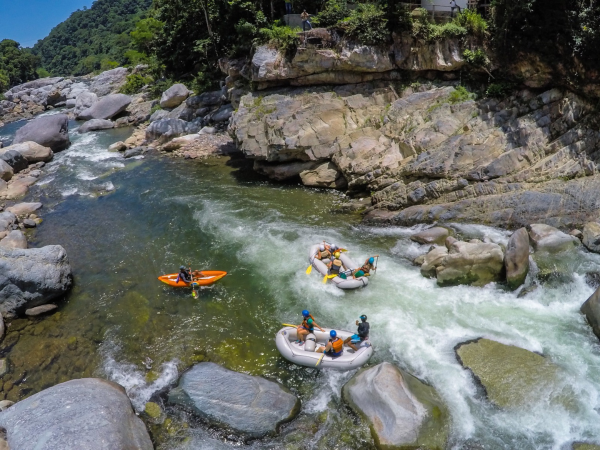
(250, 405)
(511, 376)
(40, 310)
(24, 209)
(402, 411)
(435, 235)
(85, 414)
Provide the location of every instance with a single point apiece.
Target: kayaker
(323, 253)
(308, 326)
(361, 335)
(335, 346)
(335, 266)
(184, 275)
(197, 274)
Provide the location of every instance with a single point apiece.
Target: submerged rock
(174, 96)
(545, 238)
(247, 404)
(83, 414)
(48, 131)
(402, 412)
(511, 376)
(32, 277)
(516, 259)
(435, 235)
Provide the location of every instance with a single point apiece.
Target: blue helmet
(371, 260)
(305, 313)
(332, 333)
(181, 267)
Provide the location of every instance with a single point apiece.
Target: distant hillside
(92, 39)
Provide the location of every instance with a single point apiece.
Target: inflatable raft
(210, 276)
(304, 355)
(349, 264)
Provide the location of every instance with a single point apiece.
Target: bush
(477, 57)
(283, 38)
(42, 73)
(459, 95)
(367, 24)
(472, 22)
(335, 11)
(500, 89)
(158, 87)
(135, 82)
(422, 28)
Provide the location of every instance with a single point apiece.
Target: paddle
(289, 325)
(329, 277)
(320, 359)
(376, 261)
(309, 270)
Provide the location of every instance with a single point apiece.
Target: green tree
(17, 64)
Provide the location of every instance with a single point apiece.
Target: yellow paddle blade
(331, 276)
(288, 325)
(319, 361)
(325, 279)
(309, 270)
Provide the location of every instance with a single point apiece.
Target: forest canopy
(17, 65)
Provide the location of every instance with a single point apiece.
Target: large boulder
(109, 81)
(32, 277)
(516, 259)
(24, 209)
(6, 171)
(85, 414)
(545, 238)
(250, 405)
(50, 131)
(84, 100)
(511, 376)
(32, 151)
(14, 239)
(95, 124)
(324, 175)
(174, 96)
(167, 129)
(106, 108)
(402, 412)
(205, 99)
(432, 260)
(591, 236)
(471, 263)
(15, 160)
(434, 235)
(591, 310)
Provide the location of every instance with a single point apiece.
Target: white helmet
(322, 247)
(334, 247)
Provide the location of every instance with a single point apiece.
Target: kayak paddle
(289, 325)
(320, 359)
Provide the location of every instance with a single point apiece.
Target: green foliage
(81, 44)
(283, 38)
(334, 11)
(107, 64)
(367, 24)
(399, 16)
(158, 87)
(477, 57)
(422, 28)
(142, 37)
(42, 73)
(500, 89)
(17, 65)
(473, 22)
(135, 82)
(155, 108)
(459, 95)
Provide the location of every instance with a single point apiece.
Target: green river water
(125, 222)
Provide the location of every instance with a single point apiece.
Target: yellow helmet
(336, 254)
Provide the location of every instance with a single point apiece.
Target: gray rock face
(174, 96)
(15, 160)
(167, 129)
(324, 175)
(32, 151)
(157, 115)
(516, 259)
(106, 108)
(109, 81)
(14, 239)
(85, 414)
(222, 114)
(48, 131)
(435, 235)
(591, 310)
(6, 171)
(545, 238)
(84, 101)
(32, 277)
(591, 236)
(247, 404)
(95, 124)
(402, 412)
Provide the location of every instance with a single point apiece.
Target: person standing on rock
(361, 335)
(453, 6)
(305, 16)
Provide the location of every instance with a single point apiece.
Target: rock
(117, 147)
(545, 238)
(17, 188)
(6, 171)
(432, 260)
(3, 368)
(516, 259)
(83, 414)
(208, 130)
(511, 376)
(15, 239)
(157, 115)
(419, 260)
(247, 404)
(32, 151)
(205, 99)
(48, 131)
(591, 310)
(109, 81)
(106, 108)
(577, 233)
(174, 96)
(591, 236)
(84, 101)
(5, 404)
(167, 129)
(40, 310)
(222, 114)
(435, 235)
(283, 171)
(153, 410)
(32, 277)
(325, 175)
(180, 142)
(95, 124)
(29, 223)
(15, 160)
(585, 446)
(137, 151)
(467, 263)
(7, 220)
(402, 412)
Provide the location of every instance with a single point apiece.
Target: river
(125, 222)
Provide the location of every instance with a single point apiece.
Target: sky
(26, 21)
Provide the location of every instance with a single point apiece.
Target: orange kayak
(208, 278)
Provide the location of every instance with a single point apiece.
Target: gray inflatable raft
(349, 264)
(307, 356)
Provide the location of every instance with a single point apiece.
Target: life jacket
(366, 268)
(336, 266)
(308, 327)
(323, 255)
(337, 347)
